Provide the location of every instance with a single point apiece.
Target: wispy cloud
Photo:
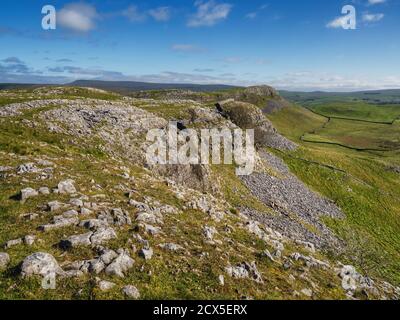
(161, 14)
(209, 13)
(254, 14)
(133, 14)
(370, 18)
(337, 22)
(79, 17)
(373, 2)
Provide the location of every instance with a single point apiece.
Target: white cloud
(161, 14)
(133, 14)
(373, 2)
(369, 17)
(310, 81)
(251, 15)
(209, 13)
(337, 22)
(79, 17)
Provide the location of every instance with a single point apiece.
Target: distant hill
(390, 96)
(9, 86)
(129, 86)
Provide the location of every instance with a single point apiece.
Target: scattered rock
(40, 263)
(59, 222)
(66, 187)
(4, 260)
(44, 190)
(12, 243)
(103, 235)
(209, 233)
(28, 193)
(27, 168)
(77, 241)
(147, 254)
(29, 240)
(54, 206)
(221, 280)
(307, 292)
(245, 270)
(171, 247)
(120, 265)
(131, 292)
(106, 285)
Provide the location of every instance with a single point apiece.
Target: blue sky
(295, 45)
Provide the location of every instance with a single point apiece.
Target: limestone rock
(66, 187)
(40, 263)
(120, 265)
(131, 292)
(4, 260)
(28, 193)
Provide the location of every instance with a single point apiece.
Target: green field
(358, 181)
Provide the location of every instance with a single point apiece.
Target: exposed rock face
(263, 91)
(119, 125)
(248, 116)
(40, 263)
(287, 195)
(193, 176)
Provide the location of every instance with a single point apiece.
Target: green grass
(357, 110)
(359, 135)
(366, 191)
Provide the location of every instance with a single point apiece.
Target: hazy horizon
(296, 46)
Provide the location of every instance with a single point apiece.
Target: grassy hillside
(360, 182)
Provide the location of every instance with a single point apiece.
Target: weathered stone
(120, 265)
(28, 193)
(103, 235)
(70, 214)
(97, 266)
(27, 168)
(171, 247)
(245, 270)
(131, 292)
(209, 233)
(149, 229)
(4, 260)
(85, 212)
(44, 190)
(107, 256)
(12, 243)
(40, 263)
(93, 224)
(54, 205)
(76, 202)
(59, 222)
(29, 240)
(66, 187)
(106, 285)
(307, 292)
(221, 280)
(147, 254)
(76, 241)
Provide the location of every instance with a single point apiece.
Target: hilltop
(77, 198)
